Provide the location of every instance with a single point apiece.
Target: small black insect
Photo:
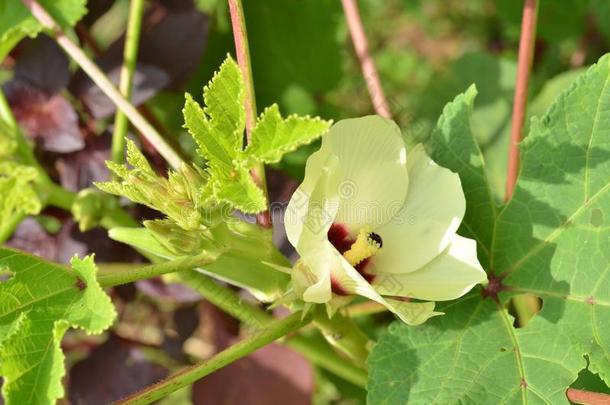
(375, 237)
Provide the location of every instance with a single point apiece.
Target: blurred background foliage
(426, 51)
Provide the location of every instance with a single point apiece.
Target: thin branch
(126, 276)
(274, 331)
(587, 397)
(369, 71)
(130, 56)
(242, 50)
(524, 67)
(104, 83)
(146, 112)
(316, 351)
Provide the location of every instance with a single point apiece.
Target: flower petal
(372, 169)
(311, 276)
(450, 275)
(430, 216)
(353, 283)
(413, 313)
(313, 206)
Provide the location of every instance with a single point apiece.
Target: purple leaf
(31, 237)
(271, 375)
(80, 169)
(48, 119)
(147, 80)
(42, 64)
(112, 371)
(174, 292)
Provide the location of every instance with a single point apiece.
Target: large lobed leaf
(452, 144)
(552, 239)
(38, 304)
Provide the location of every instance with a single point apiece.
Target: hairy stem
(272, 332)
(316, 351)
(369, 71)
(129, 275)
(104, 83)
(524, 67)
(242, 51)
(130, 56)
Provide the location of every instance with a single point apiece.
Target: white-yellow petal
(448, 276)
(430, 216)
(313, 207)
(412, 313)
(372, 170)
(353, 283)
(299, 205)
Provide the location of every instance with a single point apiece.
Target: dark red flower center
(340, 238)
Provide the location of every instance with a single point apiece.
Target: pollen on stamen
(366, 246)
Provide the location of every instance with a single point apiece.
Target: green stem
(226, 299)
(344, 334)
(130, 56)
(129, 275)
(242, 50)
(23, 149)
(9, 228)
(272, 332)
(57, 196)
(5, 112)
(318, 352)
(99, 78)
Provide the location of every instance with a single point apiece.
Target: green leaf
(17, 196)
(218, 129)
(238, 189)
(16, 22)
(551, 240)
(295, 45)
(37, 305)
(472, 355)
(274, 136)
(495, 81)
(224, 100)
(452, 145)
(552, 237)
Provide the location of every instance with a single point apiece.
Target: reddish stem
(526, 56)
(243, 60)
(369, 71)
(242, 51)
(587, 397)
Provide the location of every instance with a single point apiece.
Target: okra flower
(372, 220)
